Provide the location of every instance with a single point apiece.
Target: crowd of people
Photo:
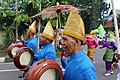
(78, 64)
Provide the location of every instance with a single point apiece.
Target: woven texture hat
(33, 27)
(119, 31)
(75, 26)
(92, 32)
(48, 31)
(89, 36)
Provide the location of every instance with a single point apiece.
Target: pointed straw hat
(48, 31)
(33, 27)
(75, 26)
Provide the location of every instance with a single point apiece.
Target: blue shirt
(47, 52)
(80, 67)
(33, 44)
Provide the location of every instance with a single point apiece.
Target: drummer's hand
(22, 37)
(26, 67)
(101, 47)
(14, 56)
(63, 55)
(12, 44)
(114, 65)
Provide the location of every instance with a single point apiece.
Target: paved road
(9, 72)
(100, 66)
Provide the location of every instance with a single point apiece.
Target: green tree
(28, 8)
(94, 15)
(91, 17)
(9, 19)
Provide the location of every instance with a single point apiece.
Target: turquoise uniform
(33, 44)
(80, 67)
(47, 52)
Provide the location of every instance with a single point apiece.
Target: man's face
(29, 33)
(42, 41)
(68, 44)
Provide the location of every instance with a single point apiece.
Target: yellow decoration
(75, 26)
(48, 31)
(92, 32)
(33, 27)
(79, 20)
(90, 36)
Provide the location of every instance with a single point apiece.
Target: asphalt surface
(9, 72)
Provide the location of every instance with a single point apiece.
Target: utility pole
(16, 15)
(39, 29)
(117, 35)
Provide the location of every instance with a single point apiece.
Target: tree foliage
(94, 14)
(28, 8)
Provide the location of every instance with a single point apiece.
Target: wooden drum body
(45, 70)
(14, 47)
(24, 58)
(12, 50)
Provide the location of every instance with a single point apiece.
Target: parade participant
(116, 65)
(79, 66)
(47, 50)
(31, 42)
(109, 54)
(92, 44)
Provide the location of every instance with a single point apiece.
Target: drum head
(23, 58)
(14, 49)
(51, 76)
(45, 70)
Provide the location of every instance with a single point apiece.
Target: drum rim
(19, 53)
(22, 42)
(10, 49)
(51, 66)
(33, 69)
(38, 70)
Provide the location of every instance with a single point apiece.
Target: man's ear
(48, 41)
(79, 41)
